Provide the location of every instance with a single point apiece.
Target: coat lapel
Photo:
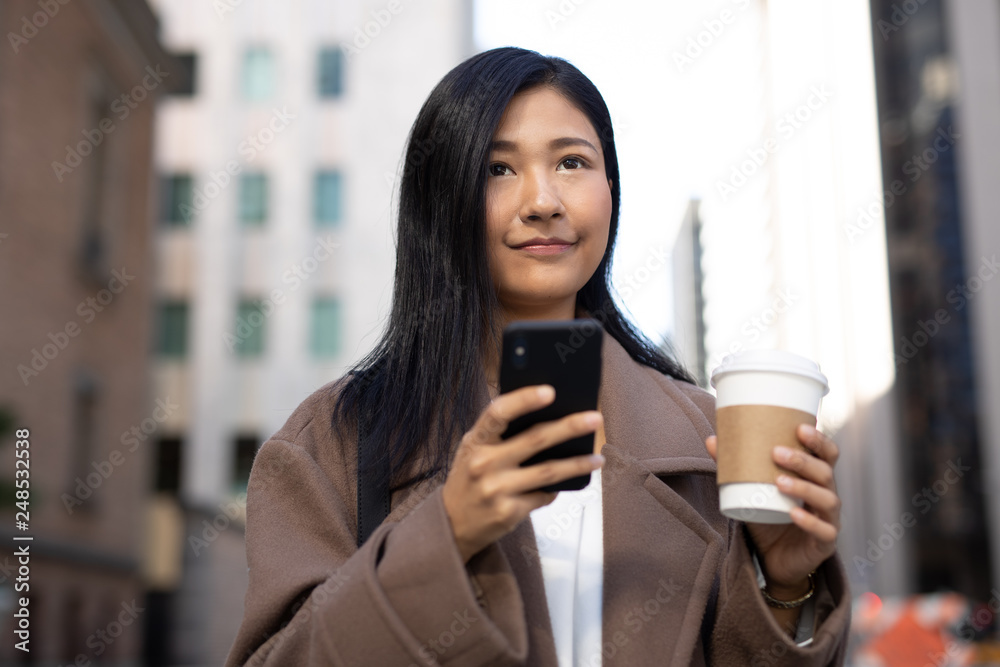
(660, 555)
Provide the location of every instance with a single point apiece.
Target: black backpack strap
(373, 486)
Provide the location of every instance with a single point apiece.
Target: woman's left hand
(791, 551)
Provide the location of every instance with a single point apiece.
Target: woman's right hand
(487, 492)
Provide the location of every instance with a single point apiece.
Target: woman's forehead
(543, 114)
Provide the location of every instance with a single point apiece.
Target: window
(173, 329)
(327, 203)
(85, 428)
(244, 449)
(258, 74)
(331, 72)
(177, 200)
(184, 87)
(168, 465)
(253, 198)
(326, 327)
(96, 237)
(249, 329)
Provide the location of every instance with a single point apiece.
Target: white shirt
(569, 533)
(570, 538)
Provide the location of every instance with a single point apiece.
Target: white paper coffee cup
(762, 397)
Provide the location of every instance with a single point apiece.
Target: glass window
(258, 74)
(253, 198)
(85, 427)
(249, 329)
(177, 200)
(331, 72)
(173, 329)
(245, 448)
(327, 204)
(168, 465)
(326, 327)
(185, 87)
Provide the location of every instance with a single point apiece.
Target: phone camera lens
(520, 350)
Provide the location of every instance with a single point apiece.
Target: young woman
(509, 210)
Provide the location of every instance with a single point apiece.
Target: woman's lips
(545, 249)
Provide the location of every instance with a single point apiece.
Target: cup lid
(770, 360)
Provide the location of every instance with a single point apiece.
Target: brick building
(78, 84)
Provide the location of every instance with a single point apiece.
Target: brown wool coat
(405, 598)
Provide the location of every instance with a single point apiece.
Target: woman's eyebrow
(503, 145)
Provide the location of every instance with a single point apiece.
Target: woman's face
(548, 204)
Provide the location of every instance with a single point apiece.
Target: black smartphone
(567, 355)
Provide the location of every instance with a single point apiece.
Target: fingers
(542, 436)
(805, 465)
(523, 480)
(821, 498)
(818, 444)
(507, 407)
(812, 524)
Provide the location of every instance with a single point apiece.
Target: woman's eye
(498, 169)
(573, 163)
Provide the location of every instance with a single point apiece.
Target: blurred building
(857, 226)
(274, 249)
(779, 266)
(78, 84)
(938, 73)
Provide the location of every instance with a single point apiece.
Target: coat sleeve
(745, 631)
(404, 598)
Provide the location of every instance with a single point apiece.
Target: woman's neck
(491, 357)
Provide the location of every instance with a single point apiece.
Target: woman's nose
(540, 199)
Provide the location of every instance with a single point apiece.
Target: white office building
(275, 247)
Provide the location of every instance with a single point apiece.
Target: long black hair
(418, 387)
